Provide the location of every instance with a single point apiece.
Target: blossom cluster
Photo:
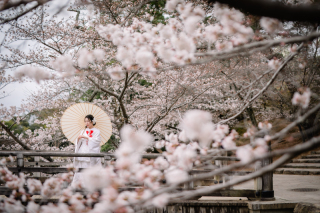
(146, 48)
(172, 167)
(183, 152)
(302, 99)
(32, 72)
(149, 46)
(270, 25)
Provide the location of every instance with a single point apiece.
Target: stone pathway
(285, 188)
(306, 165)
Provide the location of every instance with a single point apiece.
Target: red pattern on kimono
(89, 133)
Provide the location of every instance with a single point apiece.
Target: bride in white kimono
(87, 142)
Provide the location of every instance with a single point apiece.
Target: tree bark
(252, 116)
(19, 141)
(14, 137)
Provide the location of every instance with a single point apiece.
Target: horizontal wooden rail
(53, 170)
(40, 163)
(7, 191)
(48, 170)
(54, 154)
(195, 172)
(249, 193)
(67, 154)
(72, 154)
(225, 193)
(37, 167)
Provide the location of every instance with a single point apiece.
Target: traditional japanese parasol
(72, 121)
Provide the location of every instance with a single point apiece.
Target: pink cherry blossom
(34, 185)
(302, 100)
(198, 126)
(270, 25)
(32, 207)
(161, 200)
(174, 175)
(51, 187)
(265, 125)
(274, 64)
(161, 163)
(245, 153)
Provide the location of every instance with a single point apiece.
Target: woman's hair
(90, 118)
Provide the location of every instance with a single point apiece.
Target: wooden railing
(37, 167)
(21, 165)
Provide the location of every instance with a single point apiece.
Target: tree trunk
(18, 141)
(252, 116)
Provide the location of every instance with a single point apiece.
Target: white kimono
(82, 147)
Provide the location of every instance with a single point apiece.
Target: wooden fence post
(105, 159)
(258, 180)
(103, 162)
(20, 162)
(217, 163)
(189, 185)
(267, 192)
(36, 160)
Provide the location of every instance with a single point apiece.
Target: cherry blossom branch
(139, 107)
(14, 123)
(267, 43)
(296, 150)
(266, 86)
(288, 154)
(134, 11)
(297, 121)
(92, 96)
(124, 87)
(37, 39)
(39, 3)
(123, 109)
(241, 51)
(249, 108)
(253, 82)
(4, 127)
(5, 95)
(194, 98)
(103, 89)
(112, 14)
(307, 12)
(160, 117)
(209, 189)
(2, 86)
(11, 4)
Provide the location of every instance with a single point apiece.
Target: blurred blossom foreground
(213, 91)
